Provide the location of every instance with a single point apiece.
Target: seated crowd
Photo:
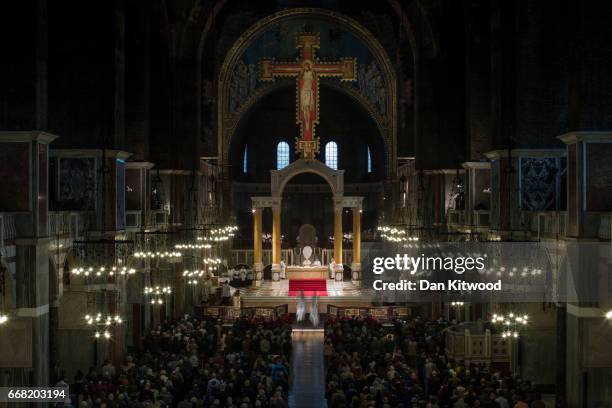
(196, 363)
(405, 365)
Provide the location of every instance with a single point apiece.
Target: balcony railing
(605, 226)
(289, 256)
(455, 217)
(548, 224)
(159, 217)
(70, 224)
(8, 231)
(133, 220)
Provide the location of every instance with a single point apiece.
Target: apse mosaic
(540, 183)
(280, 43)
(76, 189)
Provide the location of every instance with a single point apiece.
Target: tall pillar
(356, 265)
(588, 186)
(276, 241)
(257, 251)
(338, 240)
(178, 292)
(589, 195)
(138, 191)
(504, 192)
(477, 182)
(24, 340)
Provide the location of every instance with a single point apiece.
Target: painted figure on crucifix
(308, 69)
(308, 90)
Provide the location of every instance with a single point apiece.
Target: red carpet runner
(309, 286)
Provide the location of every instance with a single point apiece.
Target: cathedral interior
(195, 196)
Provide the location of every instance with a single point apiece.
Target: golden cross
(308, 69)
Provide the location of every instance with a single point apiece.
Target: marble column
(178, 291)
(338, 241)
(138, 196)
(477, 182)
(504, 192)
(356, 264)
(24, 340)
(585, 334)
(276, 241)
(589, 191)
(257, 247)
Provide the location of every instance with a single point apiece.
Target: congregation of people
(196, 362)
(404, 364)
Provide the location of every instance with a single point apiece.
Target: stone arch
(280, 178)
(227, 120)
(410, 14)
(374, 138)
(379, 120)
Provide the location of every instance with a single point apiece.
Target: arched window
(369, 160)
(245, 163)
(282, 155)
(331, 155)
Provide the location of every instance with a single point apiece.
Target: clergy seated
(406, 365)
(242, 278)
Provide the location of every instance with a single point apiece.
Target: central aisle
(308, 370)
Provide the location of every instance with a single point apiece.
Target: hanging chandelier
(102, 324)
(510, 324)
(3, 318)
(220, 234)
(192, 246)
(396, 234)
(157, 255)
(103, 258)
(103, 271)
(193, 275)
(157, 293)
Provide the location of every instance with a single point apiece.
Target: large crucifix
(307, 68)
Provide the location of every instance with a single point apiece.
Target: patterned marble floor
(281, 288)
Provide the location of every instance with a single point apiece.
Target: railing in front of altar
(484, 348)
(289, 256)
(381, 313)
(228, 314)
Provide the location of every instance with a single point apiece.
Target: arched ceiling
(271, 120)
(274, 37)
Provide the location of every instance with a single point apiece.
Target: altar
(307, 272)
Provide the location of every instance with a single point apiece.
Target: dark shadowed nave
(189, 187)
